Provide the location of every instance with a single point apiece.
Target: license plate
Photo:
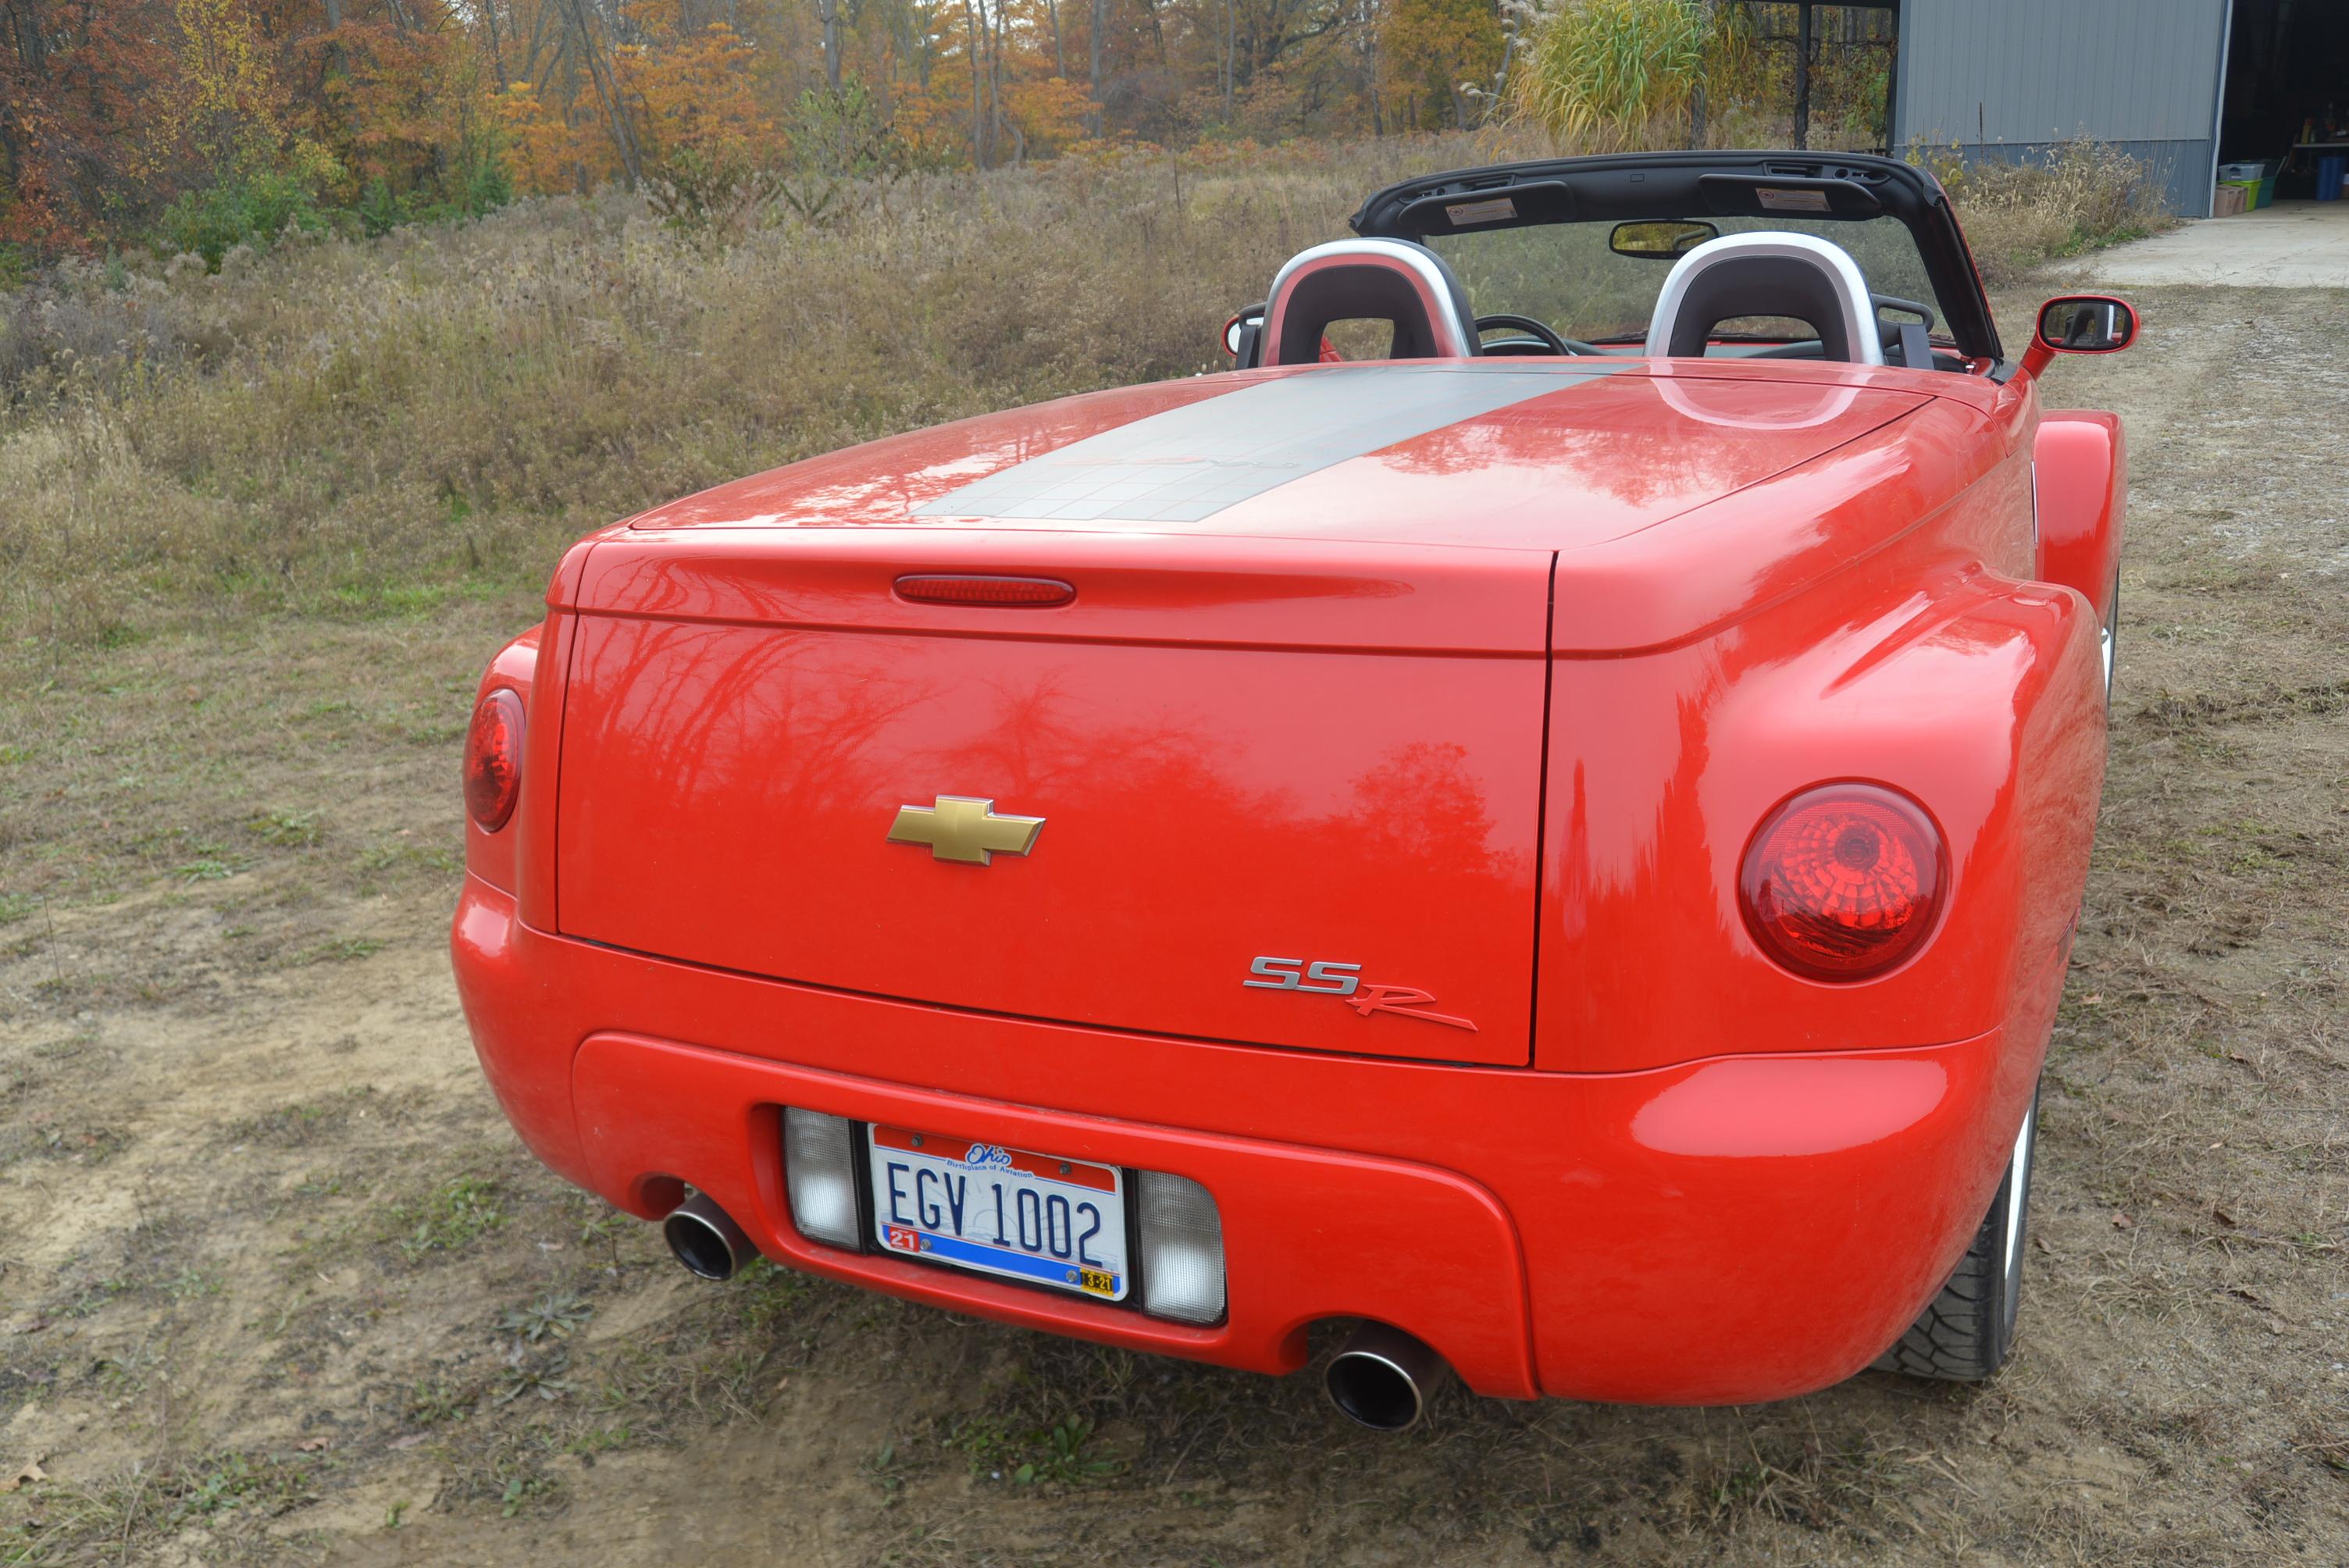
(998, 1211)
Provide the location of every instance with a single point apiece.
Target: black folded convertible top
(1633, 186)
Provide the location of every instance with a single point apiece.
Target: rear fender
(1976, 694)
(2081, 467)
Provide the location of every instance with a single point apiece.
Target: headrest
(1767, 274)
(1379, 279)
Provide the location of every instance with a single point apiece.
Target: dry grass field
(276, 1282)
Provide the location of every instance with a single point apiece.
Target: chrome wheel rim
(2018, 1186)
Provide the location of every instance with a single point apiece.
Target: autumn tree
(207, 121)
(73, 74)
(1432, 53)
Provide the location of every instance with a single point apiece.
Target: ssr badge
(1328, 977)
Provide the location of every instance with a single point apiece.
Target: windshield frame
(1625, 187)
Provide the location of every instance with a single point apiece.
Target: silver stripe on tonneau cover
(1193, 461)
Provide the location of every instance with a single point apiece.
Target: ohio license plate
(998, 1211)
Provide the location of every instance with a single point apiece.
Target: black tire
(1965, 1334)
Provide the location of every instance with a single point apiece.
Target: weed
(397, 856)
(438, 1404)
(287, 829)
(597, 1441)
(882, 1469)
(550, 1317)
(230, 1482)
(765, 1295)
(339, 950)
(451, 1217)
(190, 1282)
(520, 1490)
(98, 1295)
(297, 1126)
(1054, 1453)
(85, 1145)
(545, 1379)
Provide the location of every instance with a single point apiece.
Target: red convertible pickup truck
(1540, 815)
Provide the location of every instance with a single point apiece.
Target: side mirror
(1659, 242)
(1239, 335)
(2085, 324)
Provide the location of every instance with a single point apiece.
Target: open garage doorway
(2286, 94)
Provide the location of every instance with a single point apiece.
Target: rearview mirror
(2086, 324)
(1661, 242)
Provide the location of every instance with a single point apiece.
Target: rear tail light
(1182, 1249)
(494, 759)
(1034, 593)
(820, 1169)
(1843, 881)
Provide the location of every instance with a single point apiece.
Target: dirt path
(274, 1280)
(2300, 244)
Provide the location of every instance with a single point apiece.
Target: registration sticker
(1006, 1211)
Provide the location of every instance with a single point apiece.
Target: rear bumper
(1731, 1230)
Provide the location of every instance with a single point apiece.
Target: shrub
(241, 210)
(2018, 212)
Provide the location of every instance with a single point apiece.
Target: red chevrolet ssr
(1541, 814)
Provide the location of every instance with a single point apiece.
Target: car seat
(1767, 274)
(1377, 280)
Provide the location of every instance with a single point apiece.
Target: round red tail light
(494, 759)
(1843, 881)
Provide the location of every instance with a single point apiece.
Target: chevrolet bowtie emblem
(965, 827)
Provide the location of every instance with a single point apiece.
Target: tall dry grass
(344, 421)
(346, 426)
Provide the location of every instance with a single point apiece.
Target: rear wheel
(1965, 1332)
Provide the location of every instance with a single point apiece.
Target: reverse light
(820, 1169)
(1182, 1249)
(494, 759)
(1843, 881)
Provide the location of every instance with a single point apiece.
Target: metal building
(2179, 84)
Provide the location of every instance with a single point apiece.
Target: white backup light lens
(820, 1169)
(1182, 1249)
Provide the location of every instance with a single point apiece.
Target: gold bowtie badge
(965, 827)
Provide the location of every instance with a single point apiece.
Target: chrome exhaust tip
(706, 1239)
(1382, 1377)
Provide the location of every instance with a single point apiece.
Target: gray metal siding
(2002, 77)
